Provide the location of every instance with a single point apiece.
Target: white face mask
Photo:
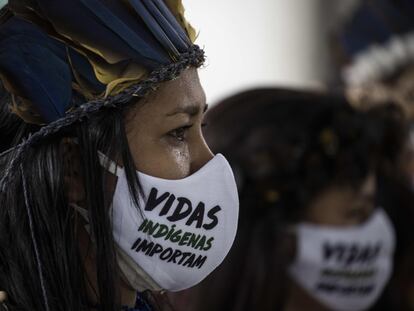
(346, 269)
(184, 230)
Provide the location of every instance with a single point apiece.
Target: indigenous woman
(108, 187)
(376, 49)
(311, 236)
(375, 52)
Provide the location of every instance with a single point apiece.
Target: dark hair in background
(65, 280)
(289, 145)
(285, 147)
(395, 194)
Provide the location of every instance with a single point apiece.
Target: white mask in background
(184, 230)
(345, 269)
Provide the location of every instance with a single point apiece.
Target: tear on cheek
(175, 166)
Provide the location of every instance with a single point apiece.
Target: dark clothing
(140, 305)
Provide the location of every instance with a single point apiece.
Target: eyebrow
(191, 110)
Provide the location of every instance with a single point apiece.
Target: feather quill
(154, 27)
(97, 29)
(112, 22)
(172, 21)
(169, 29)
(46, 84)
(177, 9)
(93, 48)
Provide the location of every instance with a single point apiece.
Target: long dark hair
(39, 245)
(285, 147)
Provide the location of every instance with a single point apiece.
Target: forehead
(179, 93)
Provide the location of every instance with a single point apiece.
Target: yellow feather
(106, 64)
(177, 8)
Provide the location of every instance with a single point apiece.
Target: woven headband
(194, 57)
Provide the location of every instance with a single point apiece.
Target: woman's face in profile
(343, 206)
(165, 131)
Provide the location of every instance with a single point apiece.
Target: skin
(343, 206)
(165, 134)
(165, 138)
(336, 206)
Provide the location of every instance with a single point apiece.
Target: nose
(200, 155)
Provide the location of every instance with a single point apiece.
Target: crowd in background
(318, 166)
(325, 180)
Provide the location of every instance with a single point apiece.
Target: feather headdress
(57, 54)
(64, 60)
(378, 40)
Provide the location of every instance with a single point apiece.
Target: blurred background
(266, 42)
(360, 49)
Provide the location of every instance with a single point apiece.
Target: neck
(127, 294)
(298, 300)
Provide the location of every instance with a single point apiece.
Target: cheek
(158, 158)
(330, 209)
(326, 214)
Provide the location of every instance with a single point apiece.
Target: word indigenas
(158, 231)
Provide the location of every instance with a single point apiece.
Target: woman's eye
(180, 134)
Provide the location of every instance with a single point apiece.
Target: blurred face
(343, 206)
(164, 132)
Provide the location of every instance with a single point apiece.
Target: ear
(74, 188)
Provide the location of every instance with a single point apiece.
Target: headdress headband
(65, 60)
(378, 40)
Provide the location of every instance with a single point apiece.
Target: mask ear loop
(35, 246)
(109, 164)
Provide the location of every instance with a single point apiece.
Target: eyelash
(179, 133)
(183, 131)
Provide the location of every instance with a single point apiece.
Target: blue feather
(46, 84)
(154, 27)
(38, 69)
(85, 71)
(41, 69)
(165, 11)
(376, 22)
(168, 28)
(99, 27)
(108, 25)
(117, 26)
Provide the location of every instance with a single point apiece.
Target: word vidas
(184, 209)
(351, 253)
